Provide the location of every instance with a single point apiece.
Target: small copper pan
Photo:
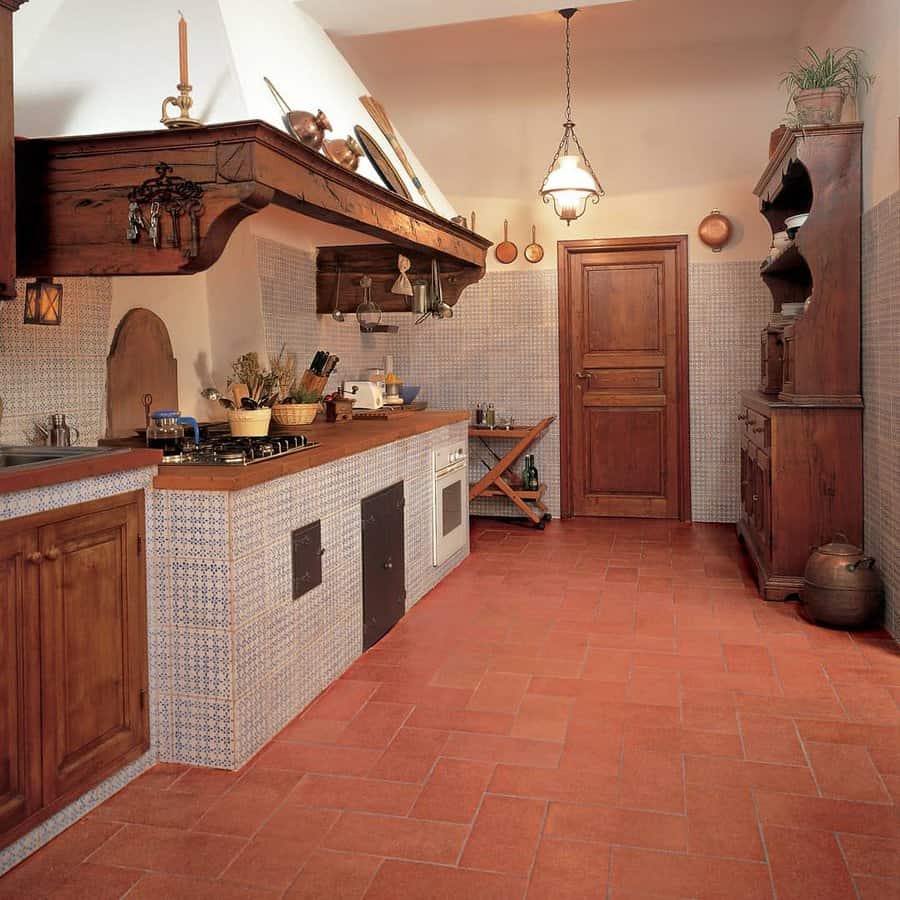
(506, 251)
(534, 252)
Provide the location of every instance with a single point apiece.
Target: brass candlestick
(184, 103)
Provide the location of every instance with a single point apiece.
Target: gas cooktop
(235, 451)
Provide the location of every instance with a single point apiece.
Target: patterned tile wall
(238, 657)
(36, 500)
(501, 347)
(728, 306)
(46, 369)
(881, 393)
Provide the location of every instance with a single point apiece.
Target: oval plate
(386, 172)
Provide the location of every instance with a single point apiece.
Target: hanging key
(174, 212)
(194, 212)
(135, 222)
(154, 224)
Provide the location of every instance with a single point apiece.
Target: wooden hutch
(801, 432)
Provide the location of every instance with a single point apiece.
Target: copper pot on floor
(841, 586)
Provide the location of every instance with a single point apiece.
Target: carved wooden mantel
(73, 200)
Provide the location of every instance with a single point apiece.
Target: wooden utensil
(380, 117)
(238, 392)
(534, 252)
(506, 251)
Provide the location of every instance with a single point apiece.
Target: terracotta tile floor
(604, 709)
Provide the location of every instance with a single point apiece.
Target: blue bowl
(409, 392)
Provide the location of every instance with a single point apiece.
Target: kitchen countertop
(336, 441)
(14, 479)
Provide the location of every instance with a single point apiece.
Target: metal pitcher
(57, 432)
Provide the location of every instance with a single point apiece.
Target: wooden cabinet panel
(20, 701)
(73, 655)
(94, 632)
(634, 450)
(384, 564)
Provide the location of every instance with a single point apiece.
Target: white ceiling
(357, 17)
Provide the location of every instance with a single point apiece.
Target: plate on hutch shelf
(386, 172)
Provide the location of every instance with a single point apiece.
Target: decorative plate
(386, 171)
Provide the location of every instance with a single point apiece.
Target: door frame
(567, 249)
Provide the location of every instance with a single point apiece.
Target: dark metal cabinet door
(306, 558)
(384, 563)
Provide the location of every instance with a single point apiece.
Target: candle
(182, 50)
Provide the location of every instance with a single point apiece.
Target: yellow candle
(182, 50)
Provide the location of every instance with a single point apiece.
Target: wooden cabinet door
(623, 378)
(20, 698)
(384, 567)
(747, 480)
(94, 639)
(763, 498)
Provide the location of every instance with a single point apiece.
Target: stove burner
(226, 450)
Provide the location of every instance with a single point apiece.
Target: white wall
(873, 26)
(97, 66)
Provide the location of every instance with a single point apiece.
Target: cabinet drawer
(757, 428)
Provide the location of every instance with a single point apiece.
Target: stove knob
(278, 445)
(302, 440)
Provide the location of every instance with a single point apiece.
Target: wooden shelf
(790, 264)
(73, 200)
(524, 495)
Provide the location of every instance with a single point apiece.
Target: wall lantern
(570, 181)
(43, 302)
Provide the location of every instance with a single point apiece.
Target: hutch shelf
(801, 431)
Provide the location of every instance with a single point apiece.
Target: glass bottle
(526, 473)
(479, 414)
(535, 480)
(491, 416)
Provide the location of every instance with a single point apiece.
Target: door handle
(587, 375)
(35, 558)
(388, 564)
(52, 554)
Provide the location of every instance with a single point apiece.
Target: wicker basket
(249, 422)
(294, 413)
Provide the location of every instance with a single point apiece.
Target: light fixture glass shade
(43, 302)
(569, 186)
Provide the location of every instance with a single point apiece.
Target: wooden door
(623, 377)
(384, 565)
(94, 645)
(20, 698)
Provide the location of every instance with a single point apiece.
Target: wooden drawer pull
(35, 558)
(52, 554)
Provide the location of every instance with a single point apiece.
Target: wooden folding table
(495, 482)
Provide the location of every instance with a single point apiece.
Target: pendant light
(570, 181)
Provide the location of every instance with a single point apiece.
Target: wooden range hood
(73, 206)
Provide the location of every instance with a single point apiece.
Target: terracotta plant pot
(821, 106)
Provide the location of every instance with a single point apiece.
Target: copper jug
(345, 152)
(841, 586)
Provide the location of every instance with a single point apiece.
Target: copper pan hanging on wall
(506, 251)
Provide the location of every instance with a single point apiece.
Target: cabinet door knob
(584, 374)
(52, 554)
(35, 558)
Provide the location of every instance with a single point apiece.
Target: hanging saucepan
(506, 251)
(534, 252)
(309, 129)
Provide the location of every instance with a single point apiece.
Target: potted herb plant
(818, 85)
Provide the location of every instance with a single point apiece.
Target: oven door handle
(443, 473)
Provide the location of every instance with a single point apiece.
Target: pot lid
(839, 548)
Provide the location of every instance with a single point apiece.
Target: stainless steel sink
(41, 456)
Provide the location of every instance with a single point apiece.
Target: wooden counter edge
(76, 469)
(337, 441)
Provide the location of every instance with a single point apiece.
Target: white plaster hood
(99, 66)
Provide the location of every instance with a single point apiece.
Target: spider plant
(840, 68)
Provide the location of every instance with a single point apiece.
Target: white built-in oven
(451, 501)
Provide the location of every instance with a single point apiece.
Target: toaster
(365, 394)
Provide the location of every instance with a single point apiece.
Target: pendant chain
(568, 71)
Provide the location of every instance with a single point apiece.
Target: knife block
(309, 381)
